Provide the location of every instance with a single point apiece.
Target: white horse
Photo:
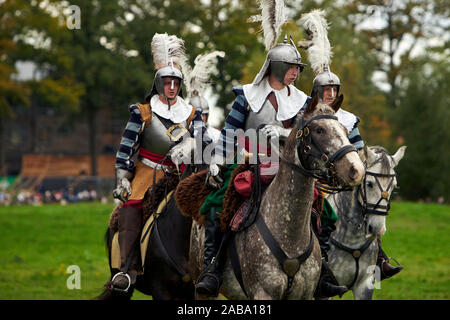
(285, 213)
(362, 218)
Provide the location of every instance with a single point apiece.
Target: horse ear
(399, 155)
(312, 104)
(337, 103)
(363, 153)
(370, 155)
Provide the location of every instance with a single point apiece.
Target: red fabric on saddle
(244, 181)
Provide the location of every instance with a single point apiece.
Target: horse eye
(320, 130)
(370, 184)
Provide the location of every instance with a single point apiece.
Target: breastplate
(159, 139)
(266, 115)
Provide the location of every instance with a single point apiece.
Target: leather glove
(122, 190)
(213, 178)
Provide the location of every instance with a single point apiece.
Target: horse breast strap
(356, 254)
(290, 266)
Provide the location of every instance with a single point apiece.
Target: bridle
(308, 147)
(367, 208)
(372, 208)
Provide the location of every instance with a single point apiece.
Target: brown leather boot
(130, 225)
(387, 270)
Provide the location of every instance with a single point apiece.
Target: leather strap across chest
(290, 266)
(356, 254)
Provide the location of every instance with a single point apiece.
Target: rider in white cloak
(327, 85)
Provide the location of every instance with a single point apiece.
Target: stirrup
(121, 274)
(390, 258)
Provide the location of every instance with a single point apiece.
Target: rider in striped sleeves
(160, 133)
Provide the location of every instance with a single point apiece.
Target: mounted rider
(270, 99)
(159, 133)
(270, 102)
(327, 85)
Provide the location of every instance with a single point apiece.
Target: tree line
(391, 57)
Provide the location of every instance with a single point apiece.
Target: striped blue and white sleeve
(130, 140)
(355, 137)
(235, 120)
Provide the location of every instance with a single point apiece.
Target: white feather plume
(319, 51)
(272, 18)
(198, 78)
(166, 48)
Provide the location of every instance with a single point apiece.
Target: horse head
(322, 146)
(374, 194)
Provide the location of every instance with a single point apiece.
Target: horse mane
(384, 158)
(313, 108)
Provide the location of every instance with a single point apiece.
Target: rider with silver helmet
(270, 99)
(326, 85)
(158, 128)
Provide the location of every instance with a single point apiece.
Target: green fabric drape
(215, 198)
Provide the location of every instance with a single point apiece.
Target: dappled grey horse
(362, 218)
(285, 212)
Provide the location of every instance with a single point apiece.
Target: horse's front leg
(261, 294)
(363, 289)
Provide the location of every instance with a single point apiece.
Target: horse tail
(108, 244)
(107, 294)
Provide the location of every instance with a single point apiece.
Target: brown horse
(317, 148)
(166, 269)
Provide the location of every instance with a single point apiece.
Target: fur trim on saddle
(156, 194)
(232, 199)
(190, 195)
(114, 218)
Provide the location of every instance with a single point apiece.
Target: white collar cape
(178, 112)
(347, 119)
(288, 105)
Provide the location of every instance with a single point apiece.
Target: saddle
(190, 194)
(153, 197)
(155, 200)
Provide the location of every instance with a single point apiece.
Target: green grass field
(38, 244)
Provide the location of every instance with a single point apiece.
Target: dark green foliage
(422, 120)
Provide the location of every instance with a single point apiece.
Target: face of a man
(291, 74)
(329, 94)
(171, 86)
(205, 117)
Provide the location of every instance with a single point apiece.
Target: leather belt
(154, 165)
